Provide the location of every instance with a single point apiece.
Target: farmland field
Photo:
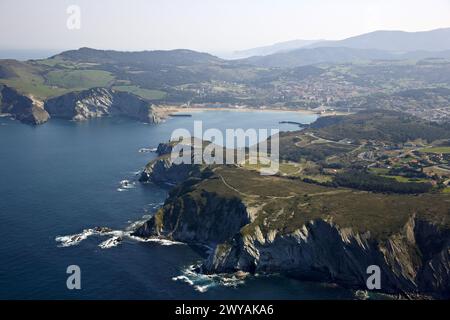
(144, 93)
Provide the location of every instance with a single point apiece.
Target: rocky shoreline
(414, 261)
(26, 109)
(78, 106)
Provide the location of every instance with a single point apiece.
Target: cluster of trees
(407, 172)
(363, 180)
(380, 125)
(313, 152)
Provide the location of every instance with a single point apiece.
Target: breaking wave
(125, 185)
(147, 150)
(111, 242)
(116, 237)
(74, 239)
(203, 282)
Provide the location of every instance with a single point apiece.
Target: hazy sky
(206, 25)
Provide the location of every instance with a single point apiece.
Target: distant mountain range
(271, 49)
(302, 57)
(378, 45)
(397, 41)
(281, 78)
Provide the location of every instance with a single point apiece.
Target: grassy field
(144, 93)
(380, 171)
(28, 80)
(285, 204)
(34, 87)
(55, 63)
(383, 172)
(79, 79)
(405, 179)
(436, 150)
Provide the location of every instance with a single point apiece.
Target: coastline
(176, 109)
(201, 109)
(166, 111)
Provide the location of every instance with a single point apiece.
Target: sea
(61, 179)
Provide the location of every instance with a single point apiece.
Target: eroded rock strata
(100, 102)
(23, 108)
(267, 224)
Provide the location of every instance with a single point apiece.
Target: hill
(180, 57)
(261, 224)
(307, 56)
(274, 48)
(400, 41)
(381, 125)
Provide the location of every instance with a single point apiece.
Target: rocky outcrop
(164, 148)
(162, 171)
(26, 109)
(415, 260)
(197, 218)
(100, 102)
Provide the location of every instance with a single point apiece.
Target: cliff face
(23, 108)
(413, 259)
(163, 171)
(100, 102)
(206, 218)
(164, 148)
(410, 262)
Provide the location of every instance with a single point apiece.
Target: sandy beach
(166, 111)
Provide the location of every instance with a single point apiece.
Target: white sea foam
(202, 289)
(361, 294)
(111, 242)
(74, 239)
(147, 150)
(184, 279)
(163, 242)
(153, 206)
(127, 184)
(133, 225)
(117, 236)
(203, 282)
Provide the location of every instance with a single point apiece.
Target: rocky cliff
(162, 171)
(310, 233)
(415, 260)
(210, 221)
(100, 102)
(26, 109)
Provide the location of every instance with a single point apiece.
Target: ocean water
(63, 177)
(27, 54)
